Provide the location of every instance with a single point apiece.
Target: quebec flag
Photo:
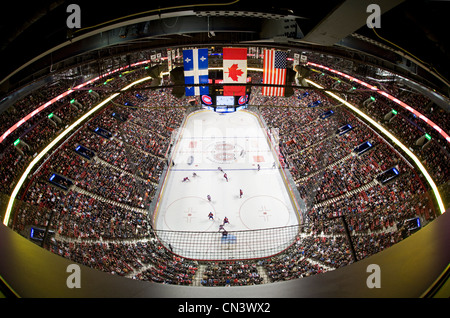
(196, 71)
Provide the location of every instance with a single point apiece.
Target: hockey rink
(237, 144)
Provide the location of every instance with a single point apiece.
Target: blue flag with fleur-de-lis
(196, 71)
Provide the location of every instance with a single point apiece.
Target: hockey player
(208, 197)
(259, 167)
(225, 176)
(186, 179)
(211, 216)
(240, 193)
(220, 169)
(225, 221)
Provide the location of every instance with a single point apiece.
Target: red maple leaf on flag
(234, 72)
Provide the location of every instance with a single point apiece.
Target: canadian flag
(234, 70)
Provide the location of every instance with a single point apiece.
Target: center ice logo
(224, 152)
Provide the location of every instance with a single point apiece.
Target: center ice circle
(260, 212)
(223, 146)
(223, 152)
(189, 214)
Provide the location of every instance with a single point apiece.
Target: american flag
(274, 72)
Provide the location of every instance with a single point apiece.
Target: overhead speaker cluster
(177, 77)
(155, 73)
(290, 78)
(302, 71)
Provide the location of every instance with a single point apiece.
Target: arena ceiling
(412, 39)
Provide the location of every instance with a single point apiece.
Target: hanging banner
(296, 60)
(169, 59)
(234, 70)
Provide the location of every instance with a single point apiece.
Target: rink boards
(263, 222)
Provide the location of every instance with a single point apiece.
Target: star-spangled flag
(274, 72)
(196, 71)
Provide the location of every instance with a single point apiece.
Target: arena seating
(102, 221)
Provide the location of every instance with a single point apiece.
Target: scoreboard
(224, 104)
(225, 100)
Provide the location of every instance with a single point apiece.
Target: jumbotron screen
(219, 100)
(225, 101)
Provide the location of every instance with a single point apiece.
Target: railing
(229, 245)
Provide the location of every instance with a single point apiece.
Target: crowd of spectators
(78, 216)
(406, 126)
(327, 171)
(36, 132)
(291, 264)
(350, 174)
(231, 273)
(378, 207)
(97, 217)
(328, 151)
(125, 170)
(106, 228)
(147, 261)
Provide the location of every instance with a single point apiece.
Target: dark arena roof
(361, 137)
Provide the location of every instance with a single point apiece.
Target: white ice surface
(237, 143)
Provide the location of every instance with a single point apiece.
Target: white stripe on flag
(266, 72)
(196, 72)
(270, 70)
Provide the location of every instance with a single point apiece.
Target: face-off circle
(223, 152)
(188, 213)
(264, 211)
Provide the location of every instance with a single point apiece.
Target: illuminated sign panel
(392, 98)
